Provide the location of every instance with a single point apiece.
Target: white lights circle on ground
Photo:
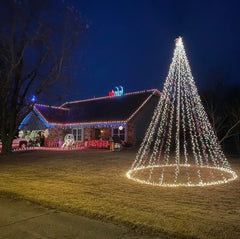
(231, 176)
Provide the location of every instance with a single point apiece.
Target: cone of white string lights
(180, 147)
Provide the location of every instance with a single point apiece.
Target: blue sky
(131, 44)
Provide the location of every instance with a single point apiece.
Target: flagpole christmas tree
(180, 147)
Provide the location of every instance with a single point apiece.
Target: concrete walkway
(21, 219)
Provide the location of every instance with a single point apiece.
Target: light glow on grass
(93, 184)
(234, 176)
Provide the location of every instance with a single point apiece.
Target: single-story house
(127, 116)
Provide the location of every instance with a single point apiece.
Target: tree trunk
(7, 145)
(6, 136)
(237, 142)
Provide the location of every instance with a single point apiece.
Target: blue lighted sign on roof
(117, 92)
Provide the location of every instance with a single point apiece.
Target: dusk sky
(131, 44)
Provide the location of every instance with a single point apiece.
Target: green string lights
(180, 147)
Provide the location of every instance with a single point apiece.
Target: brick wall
(106, 134)
(87, 134)
(57, 133)
(130, 134)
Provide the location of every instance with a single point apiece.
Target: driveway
(21, 219)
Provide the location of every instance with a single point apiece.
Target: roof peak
(108, 97)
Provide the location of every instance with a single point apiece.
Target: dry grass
(94, 184)
(167, 175)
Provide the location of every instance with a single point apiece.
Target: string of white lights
(184, 128)
(180, 136)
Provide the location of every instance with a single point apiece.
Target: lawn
(94, 184)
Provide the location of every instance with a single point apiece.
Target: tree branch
(227, 135)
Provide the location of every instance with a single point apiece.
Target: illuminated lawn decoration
(180, 147)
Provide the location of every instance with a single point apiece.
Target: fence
(94, 144)
(97, 144)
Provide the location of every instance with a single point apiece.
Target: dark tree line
(37, 39)
(222, 103)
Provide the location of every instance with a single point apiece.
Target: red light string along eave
(97, 123)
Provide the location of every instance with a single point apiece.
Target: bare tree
(233, 115)
(37, 39)
(223, 108)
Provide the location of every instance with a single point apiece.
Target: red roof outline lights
(96, 123)
(109, 97)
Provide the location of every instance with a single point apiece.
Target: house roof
(103, 110)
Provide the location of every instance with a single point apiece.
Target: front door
(97, 134)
